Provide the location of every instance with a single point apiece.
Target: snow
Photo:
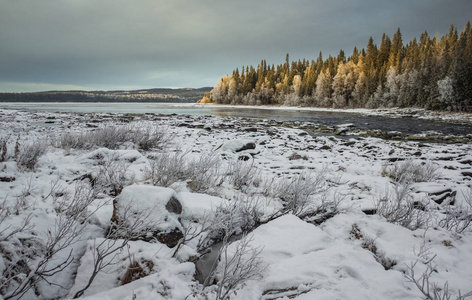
(196, 206)
(144, 203)
(305, 261)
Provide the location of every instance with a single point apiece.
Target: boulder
(238, 145)
(156, 209)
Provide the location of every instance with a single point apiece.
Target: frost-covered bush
(430, 289)
(398, 206)
(410, 171)
(458, 217)
(148, 137)
(296, 192)
(231, 218)
(34, 255)
(112, 174)
(242, 174)
(239, 263)
(167, 168)
(29, 154)
(202, 173)
(145, 137)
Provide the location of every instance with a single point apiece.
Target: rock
(250, 129)
(171, 238)
(156, 209)
(174, 206)
(325, 147)
(350, 143)
(7, 179)
(369, 211)
(341, 131)
(244, 157)
(466, 161)
(238, 145)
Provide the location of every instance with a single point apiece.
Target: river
(326, 118)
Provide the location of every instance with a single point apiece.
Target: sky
(139, 44)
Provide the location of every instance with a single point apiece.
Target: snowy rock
(196, 206)
(156, 208)
(238, 145)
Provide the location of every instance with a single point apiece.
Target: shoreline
(394, 112)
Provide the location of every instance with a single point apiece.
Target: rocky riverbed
(332, 211)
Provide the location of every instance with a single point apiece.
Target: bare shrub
(410, 171)
(296, 192)
(167, 168)
(242, 174)
(431, 290)
(40, 263)
(130, 226)
(238, 266)
(29, 154)
(202, 174)
(112, 174)
(7, 231)
(146, 137)
(235, 217)
(458, 217)
(398, 206)
(328, 208)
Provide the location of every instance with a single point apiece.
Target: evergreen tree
(429, 72)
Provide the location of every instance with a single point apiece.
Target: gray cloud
(101, 44)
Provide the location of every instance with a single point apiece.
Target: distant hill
(184, 95)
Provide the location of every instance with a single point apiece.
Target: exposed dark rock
(370, 211)
(247, 146)
(174, 206)
(7, 179)
(350, 143)
(171, 238)
(250, 129)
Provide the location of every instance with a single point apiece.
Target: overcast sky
(131, 44)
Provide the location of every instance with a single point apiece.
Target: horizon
(111, 46)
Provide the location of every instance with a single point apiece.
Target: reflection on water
(327, 118)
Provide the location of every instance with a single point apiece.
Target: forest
(429, 72)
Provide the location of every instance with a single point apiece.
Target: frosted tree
(323, 88)
(446, 90)
(392, 87)
(220, 91)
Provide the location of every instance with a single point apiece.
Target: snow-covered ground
(314, 216)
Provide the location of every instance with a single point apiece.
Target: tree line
(432, 73)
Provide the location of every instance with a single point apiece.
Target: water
(327, 118)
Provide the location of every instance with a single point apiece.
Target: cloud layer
(108, 44)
